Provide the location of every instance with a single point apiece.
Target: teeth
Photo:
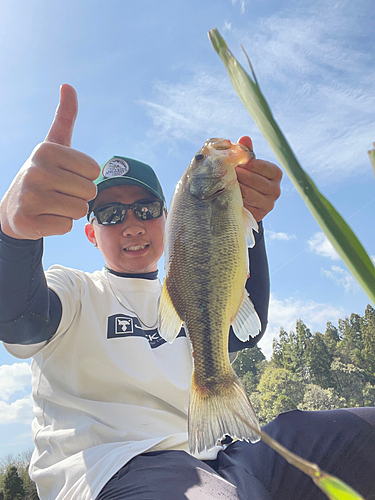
(138, 247)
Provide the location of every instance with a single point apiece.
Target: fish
(208, 232)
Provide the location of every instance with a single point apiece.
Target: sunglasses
(115, 213)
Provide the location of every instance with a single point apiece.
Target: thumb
(246, 141)
(61, 130)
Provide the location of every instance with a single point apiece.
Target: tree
(293, 348)
(318, 360)
(13, 485)
(368, 336)
(351, 344)
(21, 462)
(249, 366)
(316, 398)
(369, 395)
(277, 349)
(279, 391)
(331, 338)
(350, 382)
(249, 360)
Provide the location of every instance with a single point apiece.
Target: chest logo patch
(124, 325)
(119, 326)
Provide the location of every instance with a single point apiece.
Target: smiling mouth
(135, 248)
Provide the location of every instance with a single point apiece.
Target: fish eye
(199, 157)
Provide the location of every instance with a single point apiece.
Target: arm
(29, 312)
(258, 288)
(48, 193)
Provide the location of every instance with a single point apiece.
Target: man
(110, 395)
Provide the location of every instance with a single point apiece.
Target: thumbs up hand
(54, 185)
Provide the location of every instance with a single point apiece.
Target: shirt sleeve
(30, 312)
(258, 288)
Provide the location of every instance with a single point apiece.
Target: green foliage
(318, 362)
(13, 485)
(317, 398)
(313, 371)
(331, 337)
(368, 338)
(250, 360)
(280, 390)
(17, 483)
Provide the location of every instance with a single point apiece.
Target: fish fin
(169, 321)
(212, 416)
(250, 225)
(246, 324)
(232, 356)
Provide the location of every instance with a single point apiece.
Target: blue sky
(150, 86)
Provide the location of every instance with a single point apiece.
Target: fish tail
(214, 416)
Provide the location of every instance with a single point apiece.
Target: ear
(90, 233)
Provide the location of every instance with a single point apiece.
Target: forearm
(29, 312)
(258, 288)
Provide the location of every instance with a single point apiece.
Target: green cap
(120, 170)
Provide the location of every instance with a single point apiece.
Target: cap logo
(116, 167)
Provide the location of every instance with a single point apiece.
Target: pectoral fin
(250, 225)
(247, 323)
(169, 321)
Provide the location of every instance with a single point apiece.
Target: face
(134, 246)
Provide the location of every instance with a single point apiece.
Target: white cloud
(227, 26)
(204, 104)
(285, 313)
(320, 245)
(317, 78)
(273, 235)
(373, 258)
(19, 411)
(14, 378)
(342, 277)
(15, 383)
(242, 4)
(314, 73)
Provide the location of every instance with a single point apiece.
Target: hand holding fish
(259, 181)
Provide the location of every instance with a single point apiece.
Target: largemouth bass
(206, 266)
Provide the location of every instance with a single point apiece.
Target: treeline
(313, 371)
(15, 483)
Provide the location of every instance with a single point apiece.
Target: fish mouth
(220, 144)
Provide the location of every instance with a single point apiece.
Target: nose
(131, 225)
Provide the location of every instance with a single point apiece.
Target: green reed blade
(333, 225)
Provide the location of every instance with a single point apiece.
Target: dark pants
(339, 441)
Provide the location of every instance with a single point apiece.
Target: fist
(259, 181)
(54, 185)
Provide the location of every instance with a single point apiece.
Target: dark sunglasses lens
(148, 210)
(113, 214)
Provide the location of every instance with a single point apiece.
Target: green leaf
(336, 489)
(333, 225)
